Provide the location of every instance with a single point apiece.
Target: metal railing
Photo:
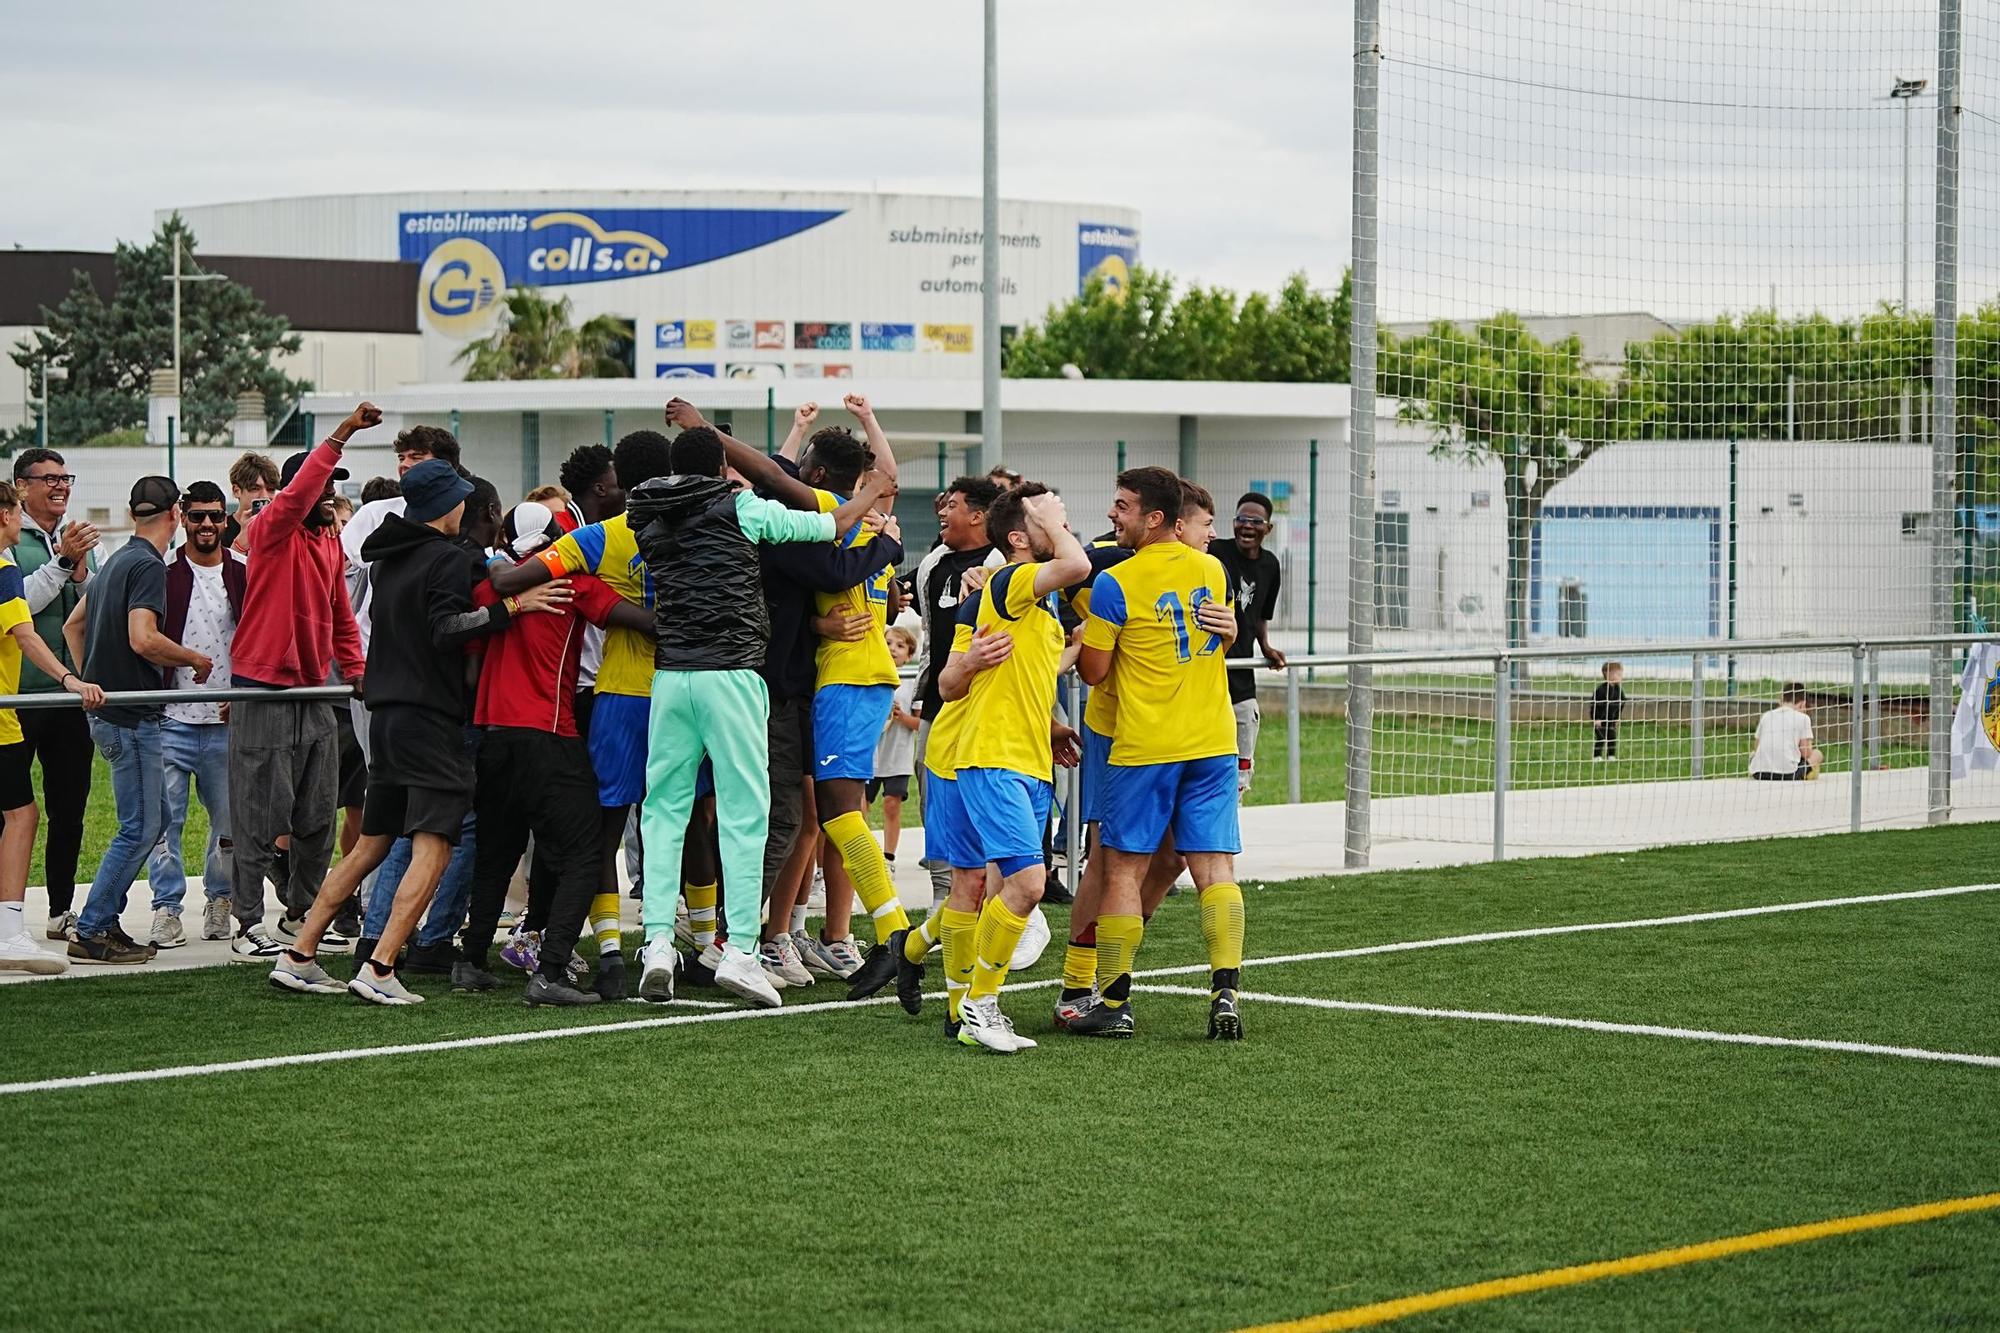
(147, 698)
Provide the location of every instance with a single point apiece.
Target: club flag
(1975, 731)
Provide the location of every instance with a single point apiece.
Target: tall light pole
(1906, 92)
(177, 278)
(989, 253)
(50, 371)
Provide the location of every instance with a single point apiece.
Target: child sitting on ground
(1607, 705)
(896, 752)
(1785, 751)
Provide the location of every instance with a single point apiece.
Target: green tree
(1499, 392)
(536, 340)
(111, 347)
(1204, 333)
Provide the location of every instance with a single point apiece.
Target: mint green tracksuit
(723, 713)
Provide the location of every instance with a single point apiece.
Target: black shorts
(1798, 774)
(396, 811)
(896, 785)
(17, 783)
(353, 767)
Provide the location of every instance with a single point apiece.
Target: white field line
(731, 1015)
(1595, 1025)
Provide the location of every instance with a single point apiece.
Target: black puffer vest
(706, 593)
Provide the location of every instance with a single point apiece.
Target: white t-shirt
(358, 530)
(1778, 735)
(896, 752)
(209, 628)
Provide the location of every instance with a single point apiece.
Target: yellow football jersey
(610, 551)
(941, 749)
(865, 661)
(1168, 673)
(1100, 708)
(1007, 725)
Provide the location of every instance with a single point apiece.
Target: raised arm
(885, 457)
(1070, 562)
(802, 420)
(759, 471)
(874, 488)
(289, 507)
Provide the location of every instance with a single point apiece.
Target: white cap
(529, 524)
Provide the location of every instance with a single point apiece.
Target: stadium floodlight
(177, 278)
(1906, 91)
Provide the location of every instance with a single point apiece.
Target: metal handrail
(1700, 647)
(147, 698)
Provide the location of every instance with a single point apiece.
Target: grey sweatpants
(788, 732)
(940, 872)
(284, 777)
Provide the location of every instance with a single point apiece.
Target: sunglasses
(52, 478)
(1252, 521)
(204, 517)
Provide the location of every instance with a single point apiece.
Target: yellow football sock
(701, 912)
(1222, 930)
(604, 922)
(958, 931)
(999, 931)
(1080, 965)
(921, 939)
(1117, 945)
(866, 867)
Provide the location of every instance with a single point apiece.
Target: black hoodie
(421, 608)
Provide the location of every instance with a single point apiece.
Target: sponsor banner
(696, 335)
(836, 370)
(596, 245)
(684, 370)
(754, 370)
(948, 338)
(1107, 252)
(822, 337)
(739, 335)
(888, 338)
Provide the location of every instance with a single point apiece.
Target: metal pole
(941, 467)
(1733, 529)
(172, 423)
(1503, 680)
(1360, 441)
(1944, 382)
(989, 253)
(1073, 785)
(1121, 455)
(1312, 546)
(177, 320)
(1696, 734)
(1854, 745)
(1908, 106)
(1874, 708)
(609, 429)
(770, 421)
(1292, 774)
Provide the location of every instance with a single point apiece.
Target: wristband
(67, 676)
(513, 605)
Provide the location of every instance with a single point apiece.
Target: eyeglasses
(52, 479)
(1252, 521)
(204, 517)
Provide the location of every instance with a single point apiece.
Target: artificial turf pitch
(850, 1169)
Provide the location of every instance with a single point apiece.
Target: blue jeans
(136, 778)
(195, 757)
(454, 890)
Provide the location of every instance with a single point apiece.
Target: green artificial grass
(851, 1169)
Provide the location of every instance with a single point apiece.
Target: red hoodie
(296, 620)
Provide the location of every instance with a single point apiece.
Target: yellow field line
(1382, 1312)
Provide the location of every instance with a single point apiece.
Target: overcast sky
(1545, 155)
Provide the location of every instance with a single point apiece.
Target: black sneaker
(695, 972)
(610, 983)
(1224, 1022)
(879, 968)
(470, 976)
(951, 1026)
(1105, 1020)
(909, 983)
(111, 948)
(347, 922)
(436, 959)
(1055, 892)
(542, 991)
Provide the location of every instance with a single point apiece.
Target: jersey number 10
(1169, 608)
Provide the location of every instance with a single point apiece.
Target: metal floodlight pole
(1906, 92)
(177, 278)
(989, 252)
(1361, 434)
(1944, 387)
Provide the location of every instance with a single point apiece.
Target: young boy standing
(1607, 705)
(896, 752)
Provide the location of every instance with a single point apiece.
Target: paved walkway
(1282, 842)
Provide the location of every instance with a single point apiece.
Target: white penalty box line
(1405, 946)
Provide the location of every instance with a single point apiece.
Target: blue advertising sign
(888, 337)
(684, 370)
(1107, 252)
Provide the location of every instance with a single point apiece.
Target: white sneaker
(216, 922)
(837, 958)
(738, 973)
(796, 971)
(813, 954)
(1034, 939)
(20, 953)
(980, 1023)
(290, 927)
(771, 958)
(254, 945)
(167, 932)
(816, 895)
(62, 926)
(382, 990)
(333, 941)
(657, 962)
(307, 978)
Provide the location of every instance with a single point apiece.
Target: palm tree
(536, 341)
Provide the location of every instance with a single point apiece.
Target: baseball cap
(297, 461)
(432, 489)
(153, 496)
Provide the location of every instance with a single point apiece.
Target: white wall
(356, 363)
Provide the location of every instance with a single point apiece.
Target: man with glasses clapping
(57, 560)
